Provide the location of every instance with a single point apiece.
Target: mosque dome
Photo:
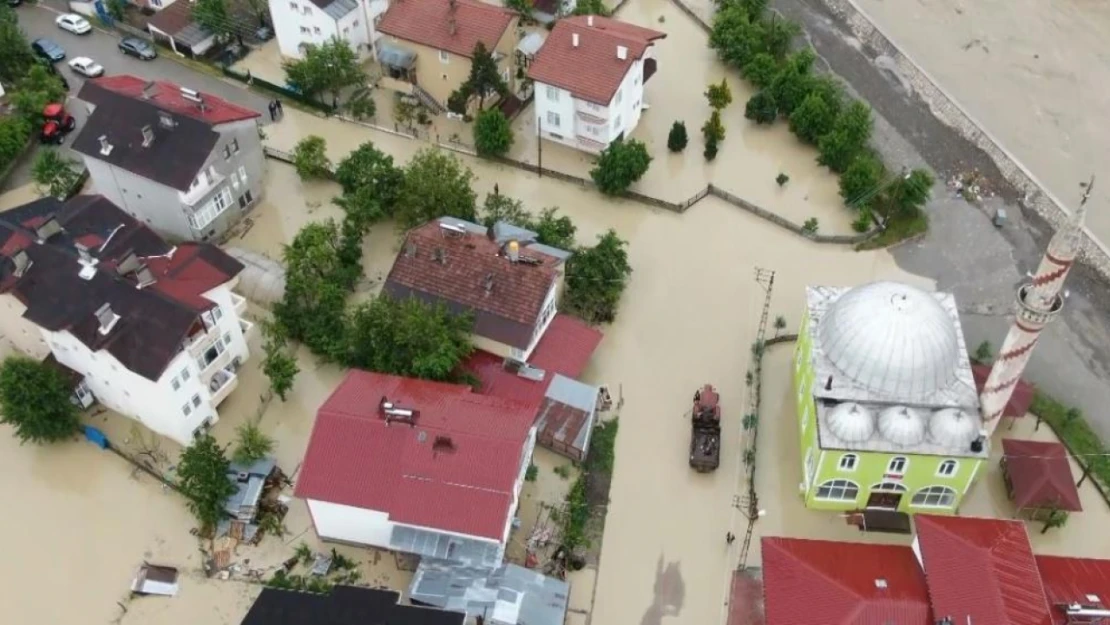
(851, 422)
(892, 339)
(902, 426)
(954, 428)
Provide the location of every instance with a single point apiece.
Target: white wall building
(589, 80)
(298, 23)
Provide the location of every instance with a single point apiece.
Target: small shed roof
(1040, 475)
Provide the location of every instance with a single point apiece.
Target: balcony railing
(590, 110)
(193, 196)
(223, 382)
(239, 303)
(202, 341)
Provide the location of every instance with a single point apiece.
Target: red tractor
(56, 123)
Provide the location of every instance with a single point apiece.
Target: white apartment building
(155, 332)
(298, 23)
(589, 79)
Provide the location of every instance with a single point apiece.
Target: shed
(566, 417)
(175, 25)
(249, 482)
(1038, 476)
(506, 595)
(262, 280)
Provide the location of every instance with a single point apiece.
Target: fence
(277, 89)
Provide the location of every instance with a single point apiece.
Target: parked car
(88, 67)
(138, 48)
(74, 23)
(48, 50)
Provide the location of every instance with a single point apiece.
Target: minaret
(1038, 303)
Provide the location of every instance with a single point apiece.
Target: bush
(15, 132)
(251, 443)
(719, 95)
(782, 179)
(54, 174)
(711, 148)
(713, 130)
(761, 108)
(813, 118)
(847, 139)
(493, 135)
(860, 184)
(761, 70)
(862, 222)
(676, 138)
(810, 226)
(907, 194)
(310, 158)
(620, 165)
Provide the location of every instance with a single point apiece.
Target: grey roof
(243, 503)
(530, 44)
(573, 393)
(510, 594)
(503, 232)
(395, 56)
(442, 545)
(192, 34)
(336, 9)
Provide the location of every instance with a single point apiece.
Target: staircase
(427, 100)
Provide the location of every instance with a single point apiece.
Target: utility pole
(539, 146)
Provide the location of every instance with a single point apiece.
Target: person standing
(273, 110)
(730, 537)
(280, 109)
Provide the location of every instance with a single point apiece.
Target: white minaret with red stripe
(1038, 303)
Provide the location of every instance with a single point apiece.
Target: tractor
(56, 123)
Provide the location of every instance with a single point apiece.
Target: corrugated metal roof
(1085, 581)
(508, 594)
(1041, 475)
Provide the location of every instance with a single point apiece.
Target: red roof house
(455, 26)
(410, 465)
(1077, 585)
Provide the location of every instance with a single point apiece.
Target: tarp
(395, 56)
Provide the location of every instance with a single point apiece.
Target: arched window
(897, 465)
(838, 490)
(947, 468)
(934, 497)
(848, 462)
(889, 487)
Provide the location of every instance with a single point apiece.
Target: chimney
(166, 120)
(148, 136)
(48, 229)
(488, 283)
(105, 147)
(129, 263)
(144, 276)
(512, 250)
(589, 20)
(107, 318)
(148, 90)
(83, 253)
(622, 52)
(828, 384)
(440, 256)
(574, 39)
(443, 443)
(22, 263)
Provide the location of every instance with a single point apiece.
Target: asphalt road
(101, 46)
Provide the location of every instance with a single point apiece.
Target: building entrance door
(884, 500)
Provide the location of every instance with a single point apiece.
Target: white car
(73, 23)
(85, 65)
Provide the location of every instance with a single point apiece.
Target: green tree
(906, 195)
(1056, 518)
(676, 138)
(983, 353)
(554, 229)
(499, 207)
(713, 130)
(761, 108)
(279, 365)
(116, 9)
(860, 183)
(362, 208)
(485, 78)
(591, 7)
(596, 278)
(711, 148)
(813, 118)
(361, 105)
(761, 69)
(329, 68)
(251, 443)
(54, 174)
(202, 476)
(620, 165)
(523, 7)
(777, 35)
(35, 400)
(755, 9)
(719, 95)
(310, 158)
(735, 35)
(37, 89)
(369, 168)
(847, 139)
(14, 134)
(14, 48)
(408, 337)
(793, 82)
(493, 134)
(436, 184)
(214, 16)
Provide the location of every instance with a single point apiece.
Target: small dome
(891, 338)
(953, 428)
(902, 426)
(851, 422)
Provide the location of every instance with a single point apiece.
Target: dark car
(138, 48)
(48, 50)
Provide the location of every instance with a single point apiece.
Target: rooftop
(1040, 475)
(508, 594)
(436, 455)
(154, 319)
(581, 55)
(452, 25)
(344, 605)
(469, 268)
(1083, 581)
(336, 9)
(177, 21)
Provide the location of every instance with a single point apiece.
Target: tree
(713, 130)
(35, 400)
(279, 366)
(754, 8)
(37, 89)
(620, 165)
(761, 108)
(719, 95)
(761, 70)
(813, 118)
(116, 9)
(202, 476)
(362, 208)
(485, 78)
(859, 185)
(523, 7)
(251, 443)
(493, 134)
(14, 133)
(907, 194)
(592, 7)
(782, 179)
(1056, 518)
(554, 230)
(361, 104)
(310, 158)
(596, 278)
(409, 337)
(14, 48)
(214, 15)
(676, 138)
(711, 148)
(848, 137)
(329, 68)
(793, 82)
(436, 184)
(983, 353)
(500, 207)
(54, 174)
(735, 35)
(369, 168)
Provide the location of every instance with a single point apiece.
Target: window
(897, 466)
(196, 400)
(617, 123)
(201, 218)
(227, 152)
(593, 130)
(552, 93)
(227, 339)
(934, 497)
(553, 118)
(346, 30)
(175, 383)
(620, 94)
(187, 409)
(217, 312)
(293, 5)
(306, 11)
(888, 487)
(947, 468)
(848, 462)
(184, 374)
(316, 29)
(443, 56)
(243, 173)
(305, 30)
(235, 180)
(838, 490)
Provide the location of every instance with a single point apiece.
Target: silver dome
(953, 428)
(902, 426)
(892, 339)
(851, 422)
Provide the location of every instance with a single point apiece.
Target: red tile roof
(836, 582)
(982, 569)
(591, 71)
(1071, 580)
(354, 458)
(1041, 475)
(456, 268)
(1020, 400)
(429, 23)
(167, 96)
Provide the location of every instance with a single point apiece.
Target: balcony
(201, 341)
(209, 181)
(246, 327)
(239, 304)
(216, 356)
(223, 382)
(591, 112)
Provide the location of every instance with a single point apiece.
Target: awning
(1040, 475)
(395, 56)
(530, 45)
